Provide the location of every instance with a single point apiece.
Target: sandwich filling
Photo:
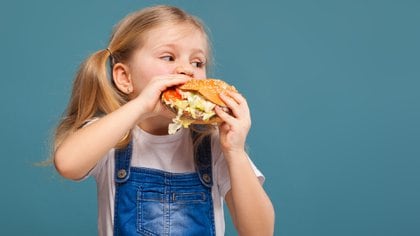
(189, 106)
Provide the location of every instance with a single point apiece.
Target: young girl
(115, 129)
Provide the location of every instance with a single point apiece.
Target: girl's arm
(251, 209)
(81, 150)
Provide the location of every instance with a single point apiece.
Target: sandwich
(194, 102)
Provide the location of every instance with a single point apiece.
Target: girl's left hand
(234, 129)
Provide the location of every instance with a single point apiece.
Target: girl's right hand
(82, 150)
(149, 97)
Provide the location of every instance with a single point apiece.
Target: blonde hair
(94, 93)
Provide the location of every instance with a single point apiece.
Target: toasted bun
(209, 88)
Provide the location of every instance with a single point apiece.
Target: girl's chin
(157, 125)
(168, 114)
(162, 118)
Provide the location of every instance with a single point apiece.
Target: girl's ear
(122, 78)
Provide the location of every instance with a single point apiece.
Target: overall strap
(203, 160)
(122, 163)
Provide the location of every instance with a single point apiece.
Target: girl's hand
(246, 194)
(149, 97)
(234, 129)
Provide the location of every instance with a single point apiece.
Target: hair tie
(111, 57)
(109, 50)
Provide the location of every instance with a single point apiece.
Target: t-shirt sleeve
(222, 173)
(96, 170)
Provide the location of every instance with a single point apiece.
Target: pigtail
(93, 92)
(93, 95)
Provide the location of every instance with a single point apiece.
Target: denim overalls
(155, 202)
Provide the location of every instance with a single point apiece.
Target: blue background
(333, 88)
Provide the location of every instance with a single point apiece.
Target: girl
(115, 129)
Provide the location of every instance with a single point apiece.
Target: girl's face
(169, 49)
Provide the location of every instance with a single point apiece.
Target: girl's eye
(167, 58)
(198, 64)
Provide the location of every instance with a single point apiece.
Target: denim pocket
(150, 209)
(191, 213)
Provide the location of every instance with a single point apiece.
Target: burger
(194, 102)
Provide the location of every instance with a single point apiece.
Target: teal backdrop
(333, 87)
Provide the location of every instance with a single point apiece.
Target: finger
(228, 100)
(173, 80)
(177, 76)
(224, 115)
(232, 104)
(224, 127)
(236, 96)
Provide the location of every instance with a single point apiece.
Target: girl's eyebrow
(163, 46)
(198, 51)
(174, 46)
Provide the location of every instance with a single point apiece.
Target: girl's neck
(155, 125)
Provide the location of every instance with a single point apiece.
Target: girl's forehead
(176, 33)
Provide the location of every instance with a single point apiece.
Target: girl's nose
(185, 70)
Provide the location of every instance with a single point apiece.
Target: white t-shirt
(167, 153)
